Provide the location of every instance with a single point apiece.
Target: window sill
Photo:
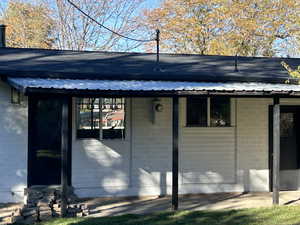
(206, 127)
(98, 139)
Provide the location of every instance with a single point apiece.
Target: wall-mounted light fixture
(16, 97)
(157, 107)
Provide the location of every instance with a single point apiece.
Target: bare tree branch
(77, 32)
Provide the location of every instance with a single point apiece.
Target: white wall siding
(101, 168)
(212, 159)
(207, 157)
(13, 147)
(140, 165)
(152, 147)
(252, 143)
(207, 154)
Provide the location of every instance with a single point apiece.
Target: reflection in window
(203, 111)
(197, 111)
(113, 117)
(286, 124)
(220, 112)
(100, 118)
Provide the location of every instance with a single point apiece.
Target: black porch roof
(41, 63)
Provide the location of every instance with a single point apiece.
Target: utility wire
(101, 25)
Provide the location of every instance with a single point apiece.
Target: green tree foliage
(28, 25)
(293, 73)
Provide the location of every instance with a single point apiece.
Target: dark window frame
(189, 123)
(209, 111)
(86, 133)
(226, 113)
(96, 131)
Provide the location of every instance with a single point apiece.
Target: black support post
(64, 155)
(175, 155)
(276, 150)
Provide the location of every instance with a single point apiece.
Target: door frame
(30, 154)
(283, 108)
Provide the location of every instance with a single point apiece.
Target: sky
(150, 4)
(147, 4)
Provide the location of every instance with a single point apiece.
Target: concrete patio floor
(132, 205)
(119, 206)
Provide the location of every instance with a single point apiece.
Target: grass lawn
(283, 215)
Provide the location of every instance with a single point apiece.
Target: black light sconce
(15, 97)
(157, 107)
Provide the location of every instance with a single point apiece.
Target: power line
(110, 30)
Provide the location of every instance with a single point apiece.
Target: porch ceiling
(28, 85)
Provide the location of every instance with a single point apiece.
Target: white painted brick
(13, 147)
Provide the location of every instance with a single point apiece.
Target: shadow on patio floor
(120, 206)
(132, 205)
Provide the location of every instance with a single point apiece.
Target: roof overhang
(80, 87)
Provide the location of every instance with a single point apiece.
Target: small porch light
(157, 107)
(15, 97)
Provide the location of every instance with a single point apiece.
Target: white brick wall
(13, 147)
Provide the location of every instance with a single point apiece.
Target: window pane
(113, 117)
(88, 117)
(196, 111)
(220, 111)
(112, 111)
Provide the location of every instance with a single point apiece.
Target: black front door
(289, 141)
(44, 163)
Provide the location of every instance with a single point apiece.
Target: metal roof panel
(135, 85)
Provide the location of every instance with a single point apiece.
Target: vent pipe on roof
(2, 36)
(157, 39)
(236, 69)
